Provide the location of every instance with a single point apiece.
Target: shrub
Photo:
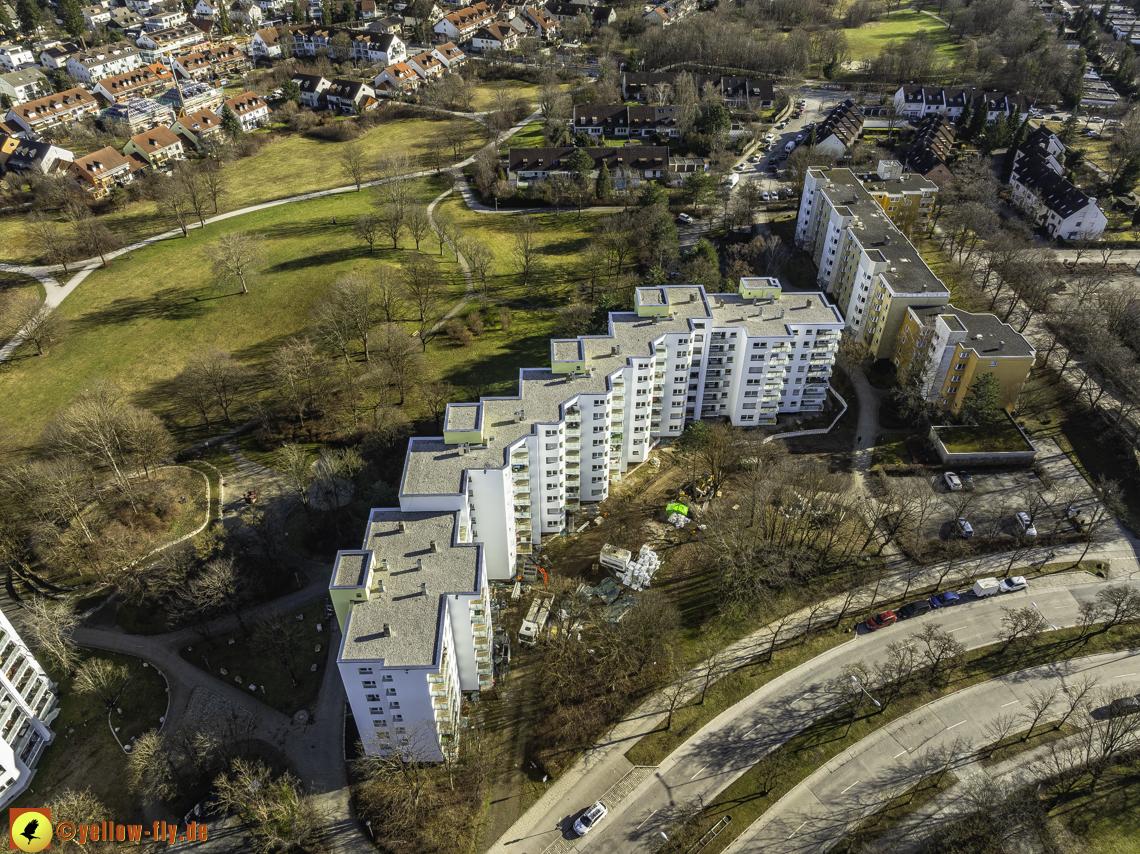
(302, 121)
(475, 323)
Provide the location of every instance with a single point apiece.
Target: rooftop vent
(383, 564)
(1001, 345)
(388, 630)
(656, 319)
(423, 588)
(520, 415)
(434, 546)
(692, 297)
(808, 303)
(403, 528)
(419, 563)
(978, 337)
(782, 314)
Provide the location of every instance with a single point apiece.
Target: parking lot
(997, 495)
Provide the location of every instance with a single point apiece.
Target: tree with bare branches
(26, 315)
(236, 258)
(354, 163)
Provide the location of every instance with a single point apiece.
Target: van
(732, 180)
(790, 147)
(984, 587)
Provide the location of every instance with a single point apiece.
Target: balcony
(522, 484)
(825, 348)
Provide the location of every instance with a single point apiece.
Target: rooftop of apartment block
(401, 625)
(876, 233)
(433, 467)
(986, 335)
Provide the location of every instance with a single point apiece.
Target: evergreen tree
(5, 18)
(980, 117)
(348, 10)
(605, 184)
(30, 15)
(224, 17)
(1069, 130)
(1128, 178)
(599, 322)
(326, 13)
(982, 405)
(581, 164)
(71, 13)
(965, 118)
(290, 91)
(297, 15)
(231, 124)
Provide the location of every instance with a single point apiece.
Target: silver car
(590, 818)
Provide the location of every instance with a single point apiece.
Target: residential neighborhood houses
(440, 394)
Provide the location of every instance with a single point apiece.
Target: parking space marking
(904, 753)
(1124, 676)
(856, 783)
(797, 830)
(959, 628)
(957, 724)
(1014, 703)
(699, 770)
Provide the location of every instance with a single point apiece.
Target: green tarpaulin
(676, 507)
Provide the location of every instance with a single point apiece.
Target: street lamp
(1042, 616)
(862, 692)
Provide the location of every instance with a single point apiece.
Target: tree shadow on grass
(165, 304)
(320, 259)
(307, 227)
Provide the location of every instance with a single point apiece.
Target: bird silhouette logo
(29, 829)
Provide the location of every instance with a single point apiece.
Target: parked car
(944, 600)
(964, 527)
(953, 482)
(1025, 524)
(887, 618)
(785, 193)
(685, 218)
(1055, 118)
(967, 481)
(755, 158)
(799, 138)
(764, 196)
(1123, 706)
(1009, 585)
(914, 609)
(590, 818)
(591, 74)
(740, 167)
(1096, 120)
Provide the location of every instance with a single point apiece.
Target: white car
(1009, 585)
(1025, 524)
(590, 818)
(952, 481)
(764, 196)
(685, 218)
(965, 528)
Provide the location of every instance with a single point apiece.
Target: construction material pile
(678, 521)
(639, 572)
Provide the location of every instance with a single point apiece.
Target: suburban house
(312, 86)
(165, 20)
(213, 63)
(55, 57)
(393, 25)
(28, 155)
(621, 121)
(92, 65)
(1041, 190)
(198, 127)
(264, 44)
(916, 102)
(600, 16)
(140, 114)
(427, 65)
(496, 36)
(737, 91)
(942, 349)
(140, 83)
(15, 56)
(450, 55)
(545, 26)
(933, 143)
(462, 24)
(184, 38)
(409, 18)
(251, 110)
(125, 20)
(96, 16)
(24, 85)
(191, 97)
(839, 130)
(51, 111)
(1096, 94)
(157, 146)
(658, 16)
(396, 80)
(537, 164)
(351, 97)
(98, 173)
(371, 47)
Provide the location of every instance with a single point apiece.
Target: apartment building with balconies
(865, 264)
(27, 705)
(508, 472)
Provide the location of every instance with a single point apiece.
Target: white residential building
(508, 471)
(27, 705)
(1041, 190)
(15, 56)
(24, 85)
(93, 65)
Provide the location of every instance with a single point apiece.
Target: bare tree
(1039, 704)
(193, 188)
(50, 625)
(354, 163)
(213, 379)
(151, 767)
(80, 807)
(401, 357)
(1019, 628)
(94, 237)
(1076, 693)
(281, 638)
(999, 729)
(367, 228)
(418, 224)
(25, 315)
(297, 468)
(302, 376)
(48, 240)
(479, 259)
(423, 289)
(674, 692)
(104, 678)
(941, 652)
(175, 203)
(215, 180)
(525, 249)
(276, 810)
(456, 133)
(391, 220)
(236, 258)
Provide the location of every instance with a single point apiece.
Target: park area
(868, 41)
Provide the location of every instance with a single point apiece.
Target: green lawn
(1108, 822)
(869, 40)
(487, 92)
(241, 659)
(141, 320)
(1003, 437)
(288, 165)
(530, 136)
(84, 753)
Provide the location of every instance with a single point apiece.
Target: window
(391, 692)
(379, 723)
(368, 684)
(372, 698)
(955, 379)
(552, 472)
(551, 498)
(364, 671)
(551, 432)
(375, 710)
(598, 416)
(750, 406)
(952, 390)
(398, 719)
(993, 364)
(959, 367)
(395, 704)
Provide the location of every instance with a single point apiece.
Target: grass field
(869, 40)
(486, 93)
(159, 301)
(288, 165)
(529, 137)
(84, 753)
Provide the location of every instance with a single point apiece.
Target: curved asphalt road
(742, 735)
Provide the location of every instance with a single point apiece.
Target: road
(742, 735)
(819, 812)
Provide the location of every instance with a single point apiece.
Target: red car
(886, 618)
